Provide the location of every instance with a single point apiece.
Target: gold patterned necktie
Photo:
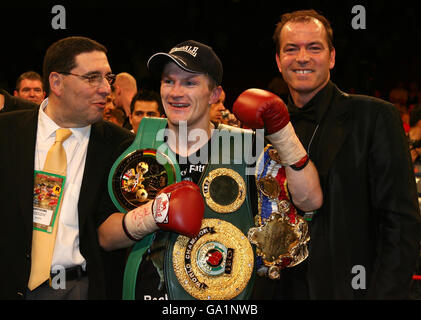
(43, 242)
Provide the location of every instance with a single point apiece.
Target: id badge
(48, 191)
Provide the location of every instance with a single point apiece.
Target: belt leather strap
(150, 135)
(242, 218)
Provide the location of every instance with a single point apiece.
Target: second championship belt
(281, 234)
(219, 263)
(141, 171)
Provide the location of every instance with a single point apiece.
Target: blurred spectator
(125, 88)
(145, 103)
(117, 116)
(29, 87)
(399, 97)
(217, 110)
(219, 114)
(109, 106)
(413, 94)
(415, 135)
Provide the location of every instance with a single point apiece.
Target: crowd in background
(127, 100)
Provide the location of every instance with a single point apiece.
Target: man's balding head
(125, 88)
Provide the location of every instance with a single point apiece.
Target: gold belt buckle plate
(217, 264)
(280, 242)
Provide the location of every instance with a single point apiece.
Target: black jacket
(17, 150)
(370, 219)
(12, 103)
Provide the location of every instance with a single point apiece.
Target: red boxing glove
(258, 109)
(178, 207)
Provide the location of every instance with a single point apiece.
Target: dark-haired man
(56, 160)
(29, 87)
(145, 103)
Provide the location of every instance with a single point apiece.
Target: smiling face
(304, 59)
(187, 97)
(76, 102)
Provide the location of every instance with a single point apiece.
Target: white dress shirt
(66, 250)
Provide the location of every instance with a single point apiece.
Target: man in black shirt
(365, 238)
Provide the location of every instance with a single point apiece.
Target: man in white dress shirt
(78, 78)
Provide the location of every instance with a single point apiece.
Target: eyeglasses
(94, 79)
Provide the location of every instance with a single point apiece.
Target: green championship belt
(219, 263)
(140, 172)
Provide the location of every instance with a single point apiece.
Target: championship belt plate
(281, 234)
(215, 265)
(224, 190)
(139, 173)
(142, 170)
